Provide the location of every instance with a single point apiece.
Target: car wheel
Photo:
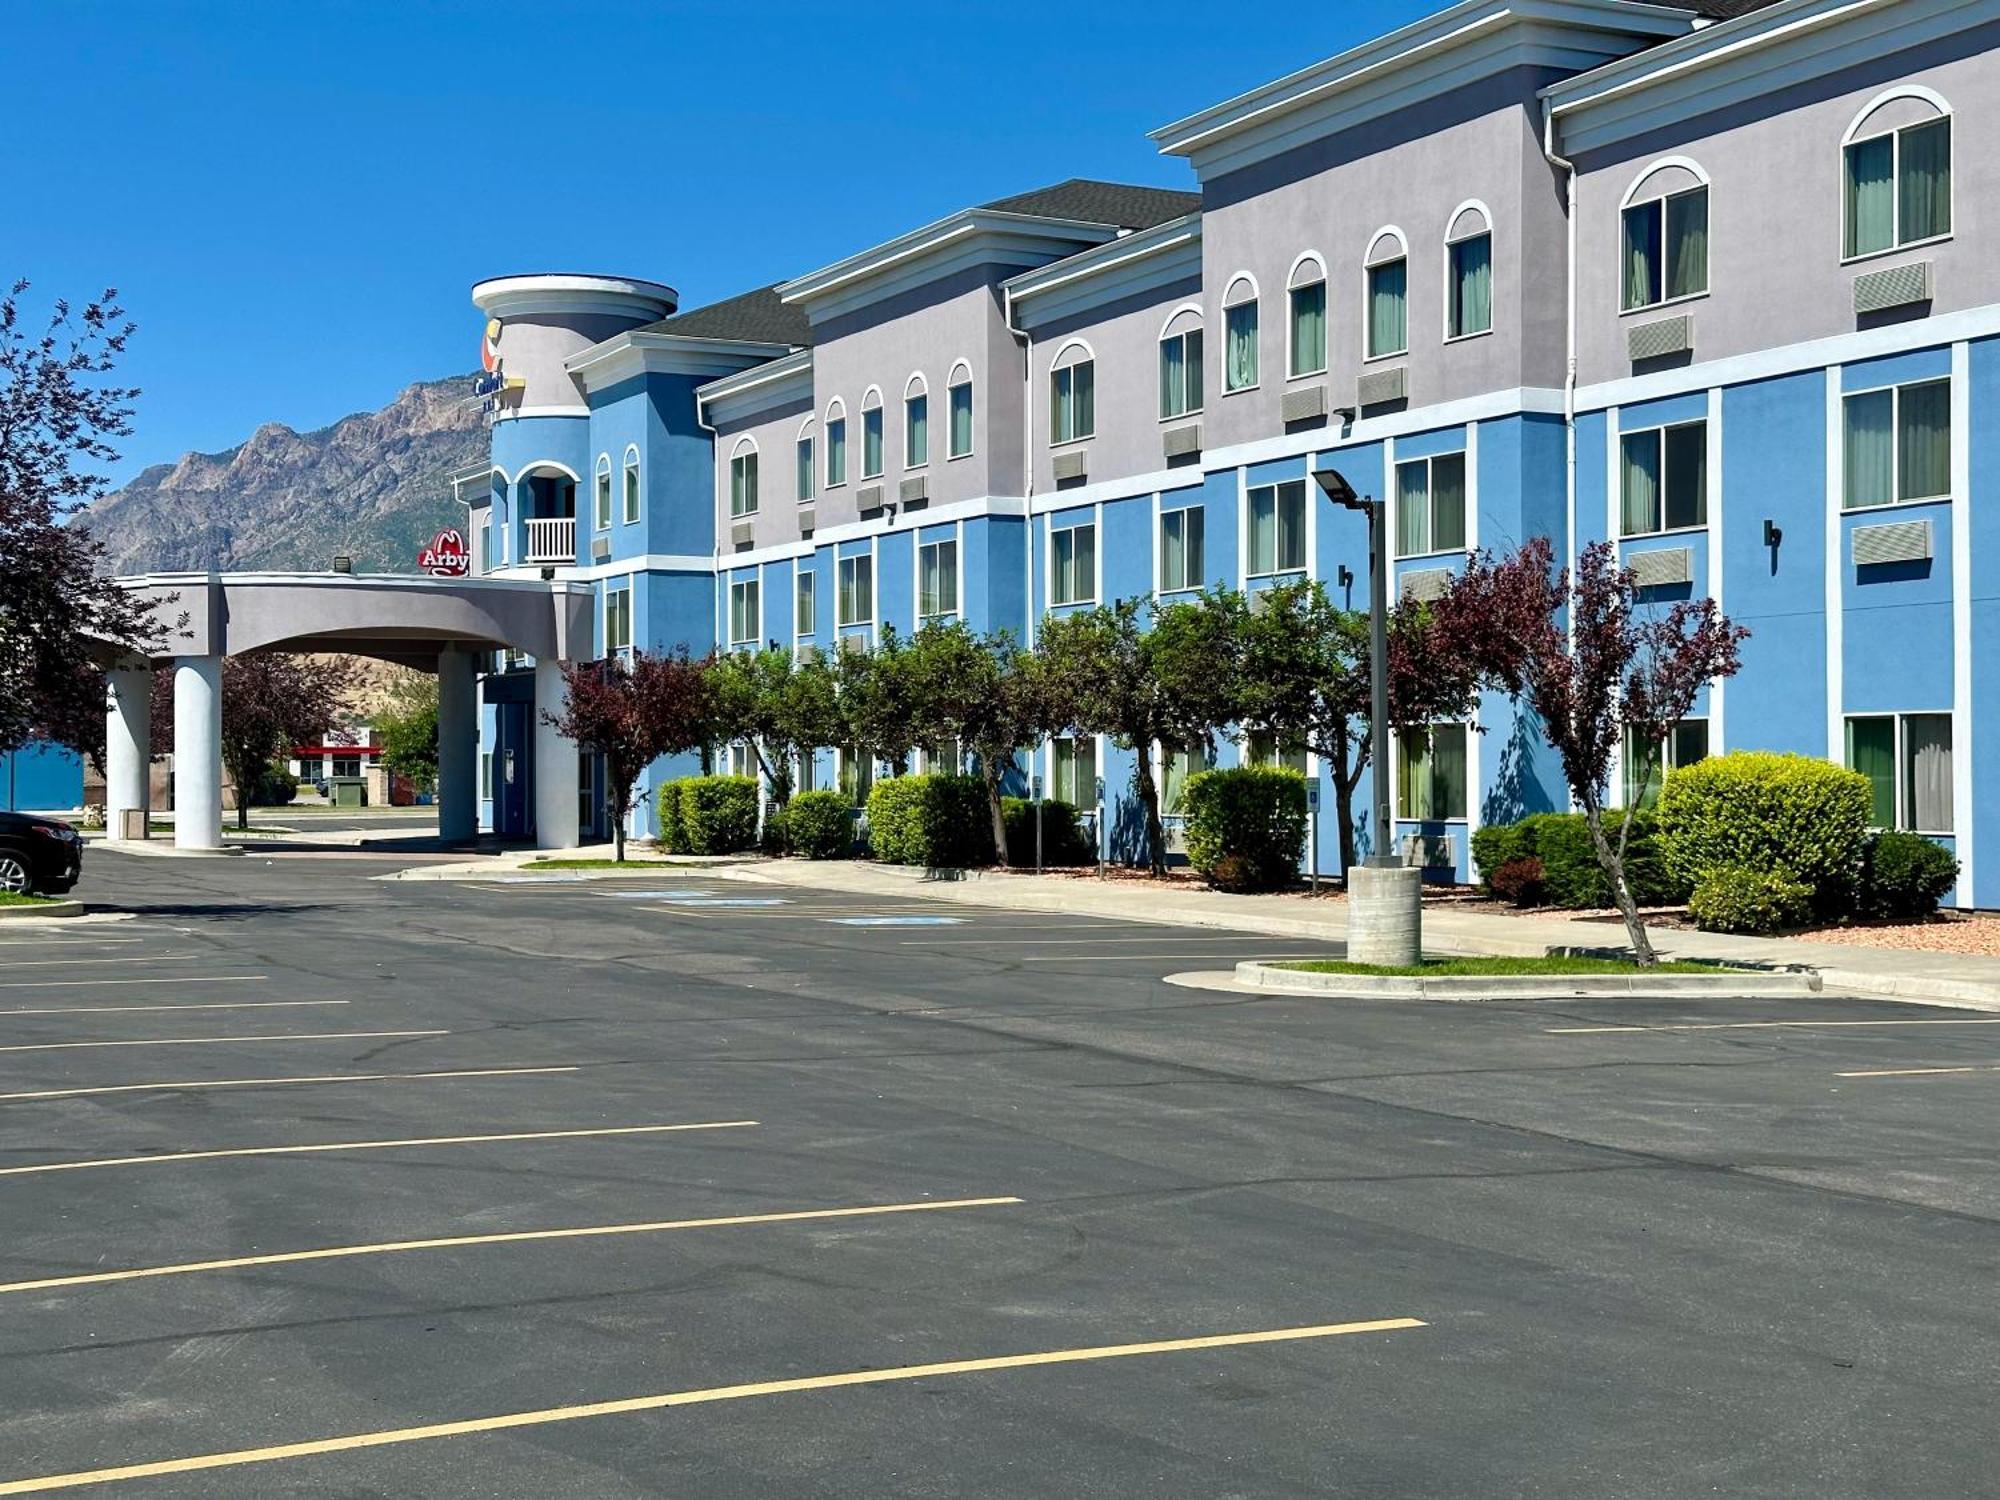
(14, 877)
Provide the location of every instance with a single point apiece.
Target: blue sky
(294, 198)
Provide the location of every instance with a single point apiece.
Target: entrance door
(513, 770)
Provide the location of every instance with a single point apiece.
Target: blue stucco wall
(41, 777)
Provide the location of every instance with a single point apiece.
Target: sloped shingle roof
(1121, 203)
(756, 316)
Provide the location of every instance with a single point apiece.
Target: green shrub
(1733, 899)
(774, 838)
(938, 821)
(1246, 827)
(718, 814)
(1064, 839)
(274, 788)
(1570, 873)
(673, 828)
(1519, 880)
(1493, 845)
(1905, 875)
(821, 825)
(1788, 815)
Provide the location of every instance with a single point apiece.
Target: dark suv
(38, 856)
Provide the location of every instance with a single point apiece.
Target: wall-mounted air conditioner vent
(1657, 340)
(1431, 851)
(869, 499)
(1305, 403)
(1892, 542)
(808, 518)
(1661, 567)
(1070, 466)
(1898, 286)
(1179, 442)
(914, 490)
(1382, 387)
(740, 532)
(1426, 584)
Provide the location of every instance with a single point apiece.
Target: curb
(48, 909)
(165, 849)
(1474, 987)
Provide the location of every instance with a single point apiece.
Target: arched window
(600, 508)
(1072, 393)
(1180, 363)
(1665, 234)
(1387, 270)
(958, 397)
(916, 423)
(1305, 322)
(802, 481)
(1468, 271)
(632, 484)
(743, 479)
(1239, 335)
(836, 443)
(1896, 172)
(871, 434)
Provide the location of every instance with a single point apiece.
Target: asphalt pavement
(314, 1184)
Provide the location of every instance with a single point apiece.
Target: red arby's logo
(445, 557)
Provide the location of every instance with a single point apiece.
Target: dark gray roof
(1720, 10)
(1121, 203)
(757, 316)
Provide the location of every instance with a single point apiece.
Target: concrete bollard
(1385, 915)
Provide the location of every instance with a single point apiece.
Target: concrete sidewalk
(1933, 978)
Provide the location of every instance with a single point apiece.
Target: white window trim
(874, 593)
(1369, 262)
(1161, 510)
(836, 411)
(1451, 241)
(1396, 778)
(744, 446)
(956, 541)
(604, 634)
(802, 567)
(1708, 479)
(1230, 301)
(1394, 519)
(914, 387)
(1839, 439)
(600, 483)
(1166, 332)
(1293, 284)
(756, 581)
(808, 433)
(873, 392)
(1089, 357)
(1305, 522)
(631, 466)
(1633, 200)
(952, 383)
(1853, 137)
(1096, 527)
(1901, 813)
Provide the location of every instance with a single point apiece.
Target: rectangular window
(1239, 346)
(618, 622)
(743, 484)
(1469, 297)
(803, 479)
(856, 602)
(600, 503)
(1180, 373)
(959, 397)
(836, 452)
(871, 443)
(1665, 479)
(1430, 505)
(486, 775)
(1388, 308)
(1074, 761)
(1308, 308)
(1898, 188)
(1264, 750)
(631, 491)
(857, 775)
(1430, 774)
(1686, 743)
(1182, 565)
(1666, 248)
(1073, 564)
(745, 613)
(803, 621)
(1177, 765)
(1896, 444)
(1073, 402)
(916, 432)
(937, 579)
(482, 546)
(1907, 760)
(1278, 527)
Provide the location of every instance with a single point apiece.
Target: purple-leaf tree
(1598, 665)
(632, 713)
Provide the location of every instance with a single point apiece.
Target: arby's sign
(445, 556)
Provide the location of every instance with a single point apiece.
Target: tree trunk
(619, 808)
(990, 773)
(1345, 780)
(1149, 799)
(1614, 870)
(242, 796)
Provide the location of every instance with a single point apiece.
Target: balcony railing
(552, 540)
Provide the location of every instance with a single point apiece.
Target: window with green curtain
(1639, 511)
(1073, 401)
(1684, 744)
(743, 484)
(1687, 243)
(601, 495)
(1471, 309)
(631, 490)
(836, 451)
(857, 775)
(803, 479)
(1923, 188)
(1291, 527)
(1642, 254)
(1430, 773)
(1180, 374)
(959, 398)
(1871, 195)
(1073, 565)
(1075, 777)
(618, 620)
(856, 601)
(1685, 482)
(1871, 750)
(1308, 329)
(871, 442)
(1868, 449)
(1239, 340)
(1264, 750)
(1182, 565)
(1388, 312)
(1264, 529)
(1923, 440)
(803, 589)
(743, 622)
(916, 431)
(1447, 502)
(937, 580)
(1413, 509)
(1178, 766)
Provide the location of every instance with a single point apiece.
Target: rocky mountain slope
(374, 485)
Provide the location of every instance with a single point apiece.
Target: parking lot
(318, 1184)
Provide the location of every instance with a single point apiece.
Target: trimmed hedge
(1753, 902)
(1788, 815)
(1571, 875)
(1246, 826)
(820, 825)
(937, 821)
(1064, 841)
(1905, 875)
(709, 815)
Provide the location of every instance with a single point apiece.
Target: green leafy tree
(779, 706)
(981, 691)
(631, 713)
(1172, 680)
(875, 701)
(272, 702)
(407, 731)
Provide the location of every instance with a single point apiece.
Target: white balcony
(552, 540)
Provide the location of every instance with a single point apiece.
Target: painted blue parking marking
(894, 921)
(678, 899)
(682, 894)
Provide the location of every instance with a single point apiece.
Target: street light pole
(1378, 676)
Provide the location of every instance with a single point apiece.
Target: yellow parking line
(1761, 1025)
(1918, 1072)
(194, 1041)
(427, 1140)
(388, 1436)
(514, 1237)
(245, 1083)
(78, 984)
(99, 1010)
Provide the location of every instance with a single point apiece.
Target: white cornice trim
(1105, 273)
(617, 296)
(1540, 400)
(622, 357)
(758, 389)
(931, 238)
(856, 531)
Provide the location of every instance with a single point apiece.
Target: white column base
(555, 765)
(128, 744)
(198, 752)
(1385, 915)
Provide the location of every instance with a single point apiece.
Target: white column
(458, 754)
(128, 743)
(555, 765)
(198, 752)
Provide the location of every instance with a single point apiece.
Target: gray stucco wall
(775, 432)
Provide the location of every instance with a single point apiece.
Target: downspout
(1568, 169)
(1027, 454)
(715, 614)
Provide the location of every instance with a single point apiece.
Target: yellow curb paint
(513, 1237)
(101, 1010)
(202, 1041)
(246, 1083)
(79, 984)
(1760, 1026)
(1917, 1072)
(428, 1140)
(389, 1436)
